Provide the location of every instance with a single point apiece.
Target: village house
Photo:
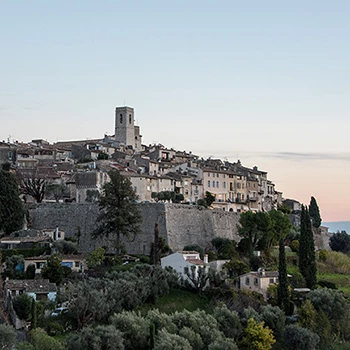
(39, 289)
(182, 260)
(75, 262)
(258, 281)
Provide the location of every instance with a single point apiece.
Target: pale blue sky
(268, 81)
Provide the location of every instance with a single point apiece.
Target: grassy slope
(178, 300)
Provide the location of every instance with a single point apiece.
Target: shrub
(294, 245)
(298, 338)
(22, 305)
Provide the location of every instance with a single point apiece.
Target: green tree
(298, 338)
(340, 242)
(96, 258)
(166, 341)
(274, 318)
(282, 288)
(236, 267)
(101, 337)
(11, 207)
(225, 248)
(307, 256)
(8, 337)
(209, 198)
(257, 337)
(34, 315)
(53, 269)
(229, 322)
(314, 213)
(42, 341)
(12, 264)
(56, 191)
(134, 327)
(22, 305)
(254, 227)
(119, 214)
(30, 272)
(333, 304)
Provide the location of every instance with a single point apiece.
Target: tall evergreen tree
(314, 212)
(307, 257)
(119, 214)
(282, 288)
(11, 207)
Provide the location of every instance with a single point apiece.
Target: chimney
(205, 259)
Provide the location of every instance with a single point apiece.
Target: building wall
(124, 126)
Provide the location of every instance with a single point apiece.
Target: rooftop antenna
(8, 139)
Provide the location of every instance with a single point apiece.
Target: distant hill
(335, 226)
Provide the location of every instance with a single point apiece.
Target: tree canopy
(11, 207)
(314, 213)
(340, 242)
(307, 257)
(119, 214)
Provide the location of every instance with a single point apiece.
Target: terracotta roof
(25, 239)
(34, 286)
(64, 257)
(195, 261)
(87, 179)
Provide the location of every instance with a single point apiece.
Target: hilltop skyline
(266, 83)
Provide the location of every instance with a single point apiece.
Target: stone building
(126, 132)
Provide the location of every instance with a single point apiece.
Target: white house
(180, 260)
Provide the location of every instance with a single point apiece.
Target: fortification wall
(179, 225)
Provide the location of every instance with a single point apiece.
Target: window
(217, 175)
(217, 184)
(224, 176)
(224, 184)
(238, 185)
(77, 264)
(247, 282)
(208, 183)
(213, 183)
(208, 174)
(271, 280)
(242, 197)
(129, 118)
(121, 118)
(256, 281)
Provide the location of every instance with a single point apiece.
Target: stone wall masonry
(179, 225)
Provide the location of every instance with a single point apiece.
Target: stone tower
(124, 126)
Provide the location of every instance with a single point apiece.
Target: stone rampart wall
(178, 224)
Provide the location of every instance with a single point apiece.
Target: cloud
(299, 156)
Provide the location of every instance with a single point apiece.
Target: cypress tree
(307, 257)
(314, 212)
(302, 242)
(11, 207)
(34, 315)
(282, 288)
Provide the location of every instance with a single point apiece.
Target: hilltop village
(191, 253)
(76, 171)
